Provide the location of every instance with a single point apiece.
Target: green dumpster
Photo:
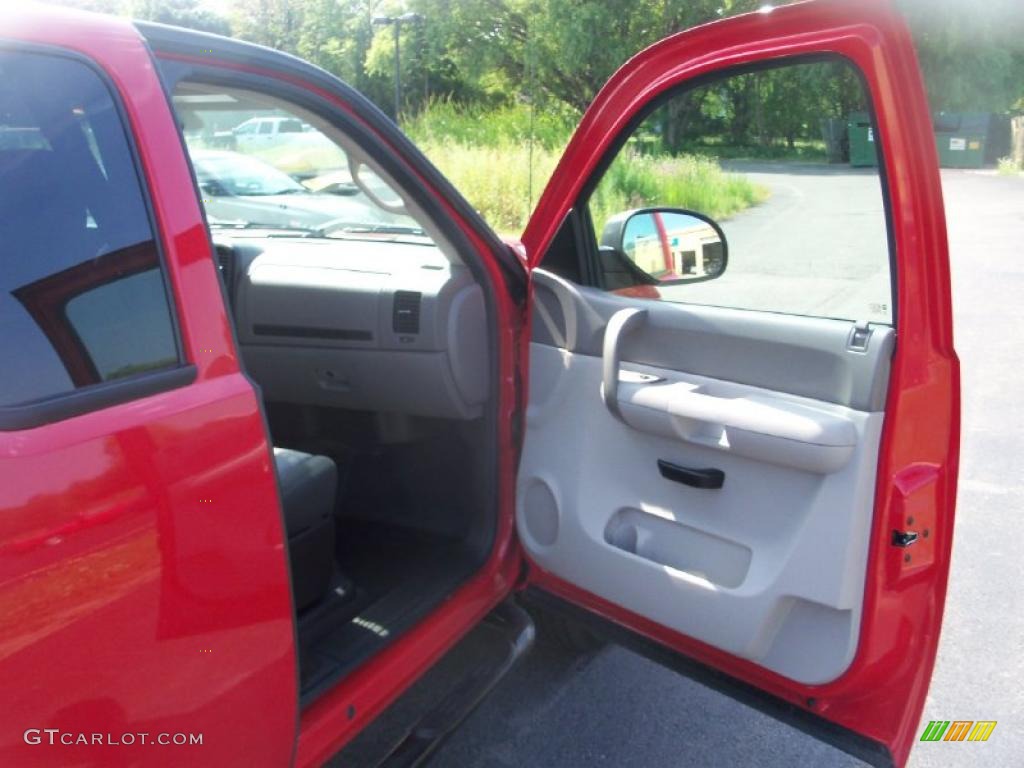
(961, 139)
(862, 140)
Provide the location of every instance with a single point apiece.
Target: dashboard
(370, 325)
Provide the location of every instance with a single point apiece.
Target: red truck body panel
(143, 581)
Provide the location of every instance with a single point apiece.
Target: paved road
(622, 710)
(816, 247)
(618, 709)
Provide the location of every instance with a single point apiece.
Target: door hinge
(903, 538)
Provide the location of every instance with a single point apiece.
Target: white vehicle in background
(257, 132)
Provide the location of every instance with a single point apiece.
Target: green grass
(688, 181)
(804, 150)
(486, 155)
(478, 125)
(495, 179)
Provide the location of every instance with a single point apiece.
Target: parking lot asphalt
(817, 246)
(619, 709)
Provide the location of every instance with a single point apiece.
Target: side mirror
(670, 246)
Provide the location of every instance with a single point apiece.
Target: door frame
(882, 693)
(340, 713)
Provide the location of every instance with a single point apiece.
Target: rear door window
(83, 297)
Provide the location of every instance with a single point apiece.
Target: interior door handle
(710, 479)
(621, 324)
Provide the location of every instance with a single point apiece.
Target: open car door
(758, 484)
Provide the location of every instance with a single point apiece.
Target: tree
(972, 56)
(182, 13)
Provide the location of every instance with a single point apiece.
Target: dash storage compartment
(681, 547)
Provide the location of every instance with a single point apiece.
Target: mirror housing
(669, 246)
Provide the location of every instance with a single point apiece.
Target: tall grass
(496, 179)
(487, 155)
(479, 125)
(697, 183)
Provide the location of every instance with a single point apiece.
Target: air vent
(406, 316)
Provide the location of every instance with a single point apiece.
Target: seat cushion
(308, 485)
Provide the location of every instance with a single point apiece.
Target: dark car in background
(243, 189)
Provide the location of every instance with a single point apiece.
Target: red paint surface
(666, 251)
(143, 585)
(168, 505)
(883, 692)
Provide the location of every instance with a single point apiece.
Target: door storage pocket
(681, 547)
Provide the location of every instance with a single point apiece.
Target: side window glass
(777, 170)
(82, 293)
(305, 178)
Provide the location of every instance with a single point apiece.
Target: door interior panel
(710, 469)
(783, 353)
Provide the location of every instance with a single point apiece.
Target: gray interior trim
(804, 356)
(774, 428)
(770, 567)
(622, 322)
(317, 325)
(769, 563)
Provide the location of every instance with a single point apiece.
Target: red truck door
(145, 610)
(761, 490)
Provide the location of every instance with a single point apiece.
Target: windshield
(264, 167)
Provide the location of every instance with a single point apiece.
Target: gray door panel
(768, 564)
(806, 356)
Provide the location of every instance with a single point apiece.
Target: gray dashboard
(359, 324)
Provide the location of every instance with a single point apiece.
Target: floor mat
(399, 576)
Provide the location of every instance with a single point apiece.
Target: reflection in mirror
(673, 246)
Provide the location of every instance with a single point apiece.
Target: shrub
(1007, 167)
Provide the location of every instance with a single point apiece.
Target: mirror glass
(673, 246)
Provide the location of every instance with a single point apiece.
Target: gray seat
(308, 485)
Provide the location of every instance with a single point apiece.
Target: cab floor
(388, 578)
